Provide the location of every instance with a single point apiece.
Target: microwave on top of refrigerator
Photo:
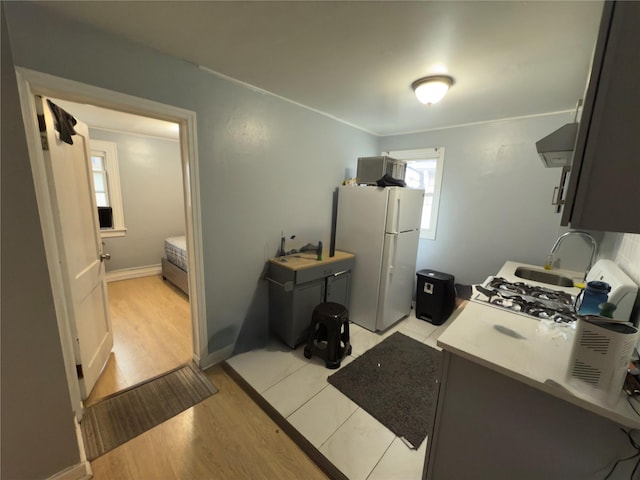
(372, 169)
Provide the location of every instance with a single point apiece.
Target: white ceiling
(104, 119)
(356, 60)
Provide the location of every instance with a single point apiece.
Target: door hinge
(79, 371)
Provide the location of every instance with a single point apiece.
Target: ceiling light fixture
(432, 89)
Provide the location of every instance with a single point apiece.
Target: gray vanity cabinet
(297, 284)
(603, 191)
(338, 288)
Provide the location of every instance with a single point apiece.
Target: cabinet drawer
(323, 270)
(281, 274)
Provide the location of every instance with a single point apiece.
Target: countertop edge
(539, 363)
(555, 389)
(296, 264)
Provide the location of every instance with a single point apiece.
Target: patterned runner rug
(120, 417)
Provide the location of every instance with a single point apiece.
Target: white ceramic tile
(399, 462)
(266, 366)
(628, 255)
(353, 440)
(392, 329)
(420, 327)
(353, 328)
(410, 333)
(317, 419)
(364, 340)
(292, 392)
(356, 447)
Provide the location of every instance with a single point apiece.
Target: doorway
(136, 165)
(35, 83)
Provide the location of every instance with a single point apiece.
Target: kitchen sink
(543, 277)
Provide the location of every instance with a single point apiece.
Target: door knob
(105, 256)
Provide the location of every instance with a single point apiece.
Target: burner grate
(530, 300)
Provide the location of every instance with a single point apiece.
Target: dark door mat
(397, 382)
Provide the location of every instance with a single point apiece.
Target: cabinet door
(305, 298)
(338, 288)
(603, 189)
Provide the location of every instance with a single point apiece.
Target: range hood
(556, 149)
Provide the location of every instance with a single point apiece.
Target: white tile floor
(355, 442)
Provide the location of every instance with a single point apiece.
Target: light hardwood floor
(151, 330)
(227, 436)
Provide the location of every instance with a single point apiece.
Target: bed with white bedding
(174, 263)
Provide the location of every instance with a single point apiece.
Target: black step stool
(329, 334)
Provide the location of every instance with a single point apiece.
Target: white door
(360, 230)
(398, 277)
(73, 202)
(404, 210)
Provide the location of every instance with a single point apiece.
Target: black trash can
(435, 296)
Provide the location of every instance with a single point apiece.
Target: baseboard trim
(81, 471)
(216, 357)
(305, 445)
(137, 272)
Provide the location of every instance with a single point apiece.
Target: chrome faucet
(554, 249)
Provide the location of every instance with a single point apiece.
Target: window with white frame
(100, 186)
(424, 171)
(106, 184)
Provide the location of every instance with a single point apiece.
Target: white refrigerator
(381, 226)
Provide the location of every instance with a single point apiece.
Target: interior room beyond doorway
(152, 333)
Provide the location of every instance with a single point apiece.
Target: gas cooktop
(530, 300)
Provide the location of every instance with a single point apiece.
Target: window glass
(424, 171)
(98, 181)
(101, 199)
(106, 184)
(96, 163)
(100, 184)
(421, 174)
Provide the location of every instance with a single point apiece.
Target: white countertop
(528, 350)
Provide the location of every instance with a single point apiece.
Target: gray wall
(625, 251)
(495, 200)
(266, 165)
(152, 197)
(38, 437)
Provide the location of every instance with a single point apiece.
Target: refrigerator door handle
(393, 256)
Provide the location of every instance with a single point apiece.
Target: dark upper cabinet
(604, 185)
